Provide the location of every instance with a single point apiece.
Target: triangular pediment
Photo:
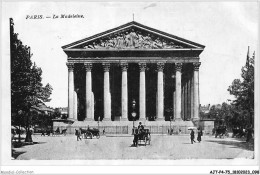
(133, 36)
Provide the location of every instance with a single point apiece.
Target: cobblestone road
(162, 147)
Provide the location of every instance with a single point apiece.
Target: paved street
(162, 147)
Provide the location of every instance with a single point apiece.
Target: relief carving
(131, 39)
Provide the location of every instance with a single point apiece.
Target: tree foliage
(27, 89)
(243, 91)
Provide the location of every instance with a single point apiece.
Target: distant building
(205, 108)
(42, 109)
(63, 112)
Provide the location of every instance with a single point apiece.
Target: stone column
(174, 105)
(192, 97)
(186, 101)
(182, 102)
(142, 99)
(160, 92)
(88, 67)
(178, 67)
(75, 105)
(196, 90)
(189, 98)
(107, 100)
(124, 96)
(92, 106)
(70, 89)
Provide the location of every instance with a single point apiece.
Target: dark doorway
(151, 91)
(115, 90)
(97, 89)
(133, 89)
(80, 87)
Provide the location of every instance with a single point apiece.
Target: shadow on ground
(15, 154)
(241, 144)
(21, 144)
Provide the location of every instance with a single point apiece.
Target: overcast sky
(225, 28)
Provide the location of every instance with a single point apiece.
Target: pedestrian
(192, 136)
(199, 135)
(43, 133)
(78, 134)
(249, 133)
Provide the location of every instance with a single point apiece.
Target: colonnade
(185, 96)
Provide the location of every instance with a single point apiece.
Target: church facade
(133, 72)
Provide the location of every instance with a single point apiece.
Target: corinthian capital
(88, 67)
(196, 66)
(124, 66)
(70, 66)
(106, 67)
(142, 66)
(178, 67)
(160, 67)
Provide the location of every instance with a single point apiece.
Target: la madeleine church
(133, 73)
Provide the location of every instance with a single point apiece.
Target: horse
(238, 132)
(220, 131)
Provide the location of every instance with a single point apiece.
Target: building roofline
(133, 23)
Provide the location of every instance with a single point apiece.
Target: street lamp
(20, 112)
(98, 121)
(133, 113)
(170, 132)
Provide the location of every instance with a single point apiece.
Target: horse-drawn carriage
(90, 133)
(238, 132)
(58, 133)
(221, 131)
(141, 135)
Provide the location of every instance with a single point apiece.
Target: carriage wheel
(98, 136)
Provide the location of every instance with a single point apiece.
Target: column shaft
(174, 105)
(186, 101)
(124, 96)
(75, 105)
(189, 100)
(196, 90)
(182, 102)
(142, 98)
(192, 97)
(88, 67)
(160, 92)
(107, 100)
(70, 89)
(178, 67)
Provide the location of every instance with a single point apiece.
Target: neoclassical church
(133, 72)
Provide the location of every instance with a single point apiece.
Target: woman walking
(192, 136)
(199, 135)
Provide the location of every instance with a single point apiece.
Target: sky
(225, 28)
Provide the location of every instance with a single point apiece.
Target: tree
(26, 86)
(243, 91)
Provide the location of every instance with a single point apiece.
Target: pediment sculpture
(132, 39)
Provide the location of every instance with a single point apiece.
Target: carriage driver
(140, 127)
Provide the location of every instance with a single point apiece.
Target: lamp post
(98, 121)
(170, 132)
(20, 112)
(133, 112)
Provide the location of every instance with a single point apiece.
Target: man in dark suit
(192, 136)
(140, 126)
(78, 134)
